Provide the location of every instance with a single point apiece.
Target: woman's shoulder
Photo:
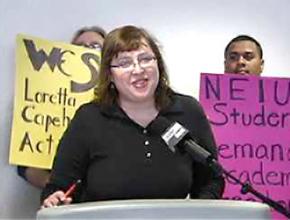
(185, 99)
(188, 104)
(88, 108)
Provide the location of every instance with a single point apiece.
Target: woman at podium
(111, 146)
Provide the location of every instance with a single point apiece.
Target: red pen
(72, 189)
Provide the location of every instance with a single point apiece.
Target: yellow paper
(52, 80)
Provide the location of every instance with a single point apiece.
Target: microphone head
(160, 125)
(171, 132)
(174, 134)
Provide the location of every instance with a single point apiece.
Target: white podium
(159, 209)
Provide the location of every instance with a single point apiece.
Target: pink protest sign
(250, 118)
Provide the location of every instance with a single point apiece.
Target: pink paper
(250, 118)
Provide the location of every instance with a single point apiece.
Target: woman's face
(135, 74)
(90, 39)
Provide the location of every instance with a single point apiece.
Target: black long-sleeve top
(117, 158)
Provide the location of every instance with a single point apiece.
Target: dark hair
(128, 38)
(244, 38)
(95, 29)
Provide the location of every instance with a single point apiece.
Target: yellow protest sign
(52, 80)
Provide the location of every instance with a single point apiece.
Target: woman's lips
(141, 83)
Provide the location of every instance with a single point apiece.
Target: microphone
(177, 136)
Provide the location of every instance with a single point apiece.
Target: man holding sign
(250, 118)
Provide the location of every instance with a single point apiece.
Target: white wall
(193, 34)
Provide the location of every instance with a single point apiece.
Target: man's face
(243, 57)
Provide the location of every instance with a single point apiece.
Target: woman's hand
(56, 199)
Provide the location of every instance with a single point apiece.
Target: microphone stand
(247, 187)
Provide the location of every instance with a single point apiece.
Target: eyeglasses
(95, 46)
(128, 64)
